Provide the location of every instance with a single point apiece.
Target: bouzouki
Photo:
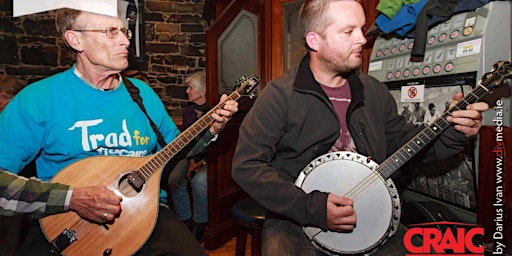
(137, 180)
(376, 199)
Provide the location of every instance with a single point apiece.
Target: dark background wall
(31, 48)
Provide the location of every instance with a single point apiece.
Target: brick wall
(31, 49)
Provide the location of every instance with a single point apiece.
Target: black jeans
(170, 237)
(285, 238)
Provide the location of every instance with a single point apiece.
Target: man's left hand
(223, 115)
(468, 121)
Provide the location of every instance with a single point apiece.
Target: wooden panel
(221, 5)
(293, 47)
(370, 12)
(277, 54)
(238, 51)
(495, 185)
(223, 191)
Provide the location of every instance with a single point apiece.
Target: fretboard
(245, 86)
(429, 133)
(170, 150)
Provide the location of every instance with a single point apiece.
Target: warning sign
(413, 93)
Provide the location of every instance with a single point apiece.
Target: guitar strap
(134, 93)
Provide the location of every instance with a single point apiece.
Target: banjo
(369, 185)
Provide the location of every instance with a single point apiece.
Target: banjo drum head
(352, 175)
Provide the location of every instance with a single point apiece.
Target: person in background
(325, 105)
(192, 169)
(22, 198)
(432, 114)
(9, 86)
(9, 243)
(20, 195)
(418, 114)
(87, 111)
(406, 113)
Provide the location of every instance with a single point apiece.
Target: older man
(87, 111)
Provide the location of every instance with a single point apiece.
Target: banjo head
(376, 201)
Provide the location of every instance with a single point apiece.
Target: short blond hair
(313, 17)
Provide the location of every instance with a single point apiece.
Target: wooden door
(235, 47)
(370, 11)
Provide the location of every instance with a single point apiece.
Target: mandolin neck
(170, 150)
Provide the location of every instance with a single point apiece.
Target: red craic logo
(446, 238)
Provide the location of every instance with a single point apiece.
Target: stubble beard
(339, 63)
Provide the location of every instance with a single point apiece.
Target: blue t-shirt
(60, 120)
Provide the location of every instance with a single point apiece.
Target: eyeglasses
(111, 32)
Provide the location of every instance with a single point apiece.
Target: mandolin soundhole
(126, 187)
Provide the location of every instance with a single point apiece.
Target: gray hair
(65, 19)
(197, 80)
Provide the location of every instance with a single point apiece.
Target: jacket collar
(305, 81)
(357, 91)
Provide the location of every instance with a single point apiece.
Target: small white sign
(413, 93)
(469, 48)
(375, 66)
(470, 22)
(25, 7)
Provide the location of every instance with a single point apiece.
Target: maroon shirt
(340, 98)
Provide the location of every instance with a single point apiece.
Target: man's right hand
(341, 216)
(95, 203)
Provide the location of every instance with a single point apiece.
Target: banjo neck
(358, 177)
(487, 83)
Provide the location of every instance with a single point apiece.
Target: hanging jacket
(433, 13)
(391, 7)
(403, 21)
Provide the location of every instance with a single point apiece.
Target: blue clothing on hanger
(435, 12)
(403, 22)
